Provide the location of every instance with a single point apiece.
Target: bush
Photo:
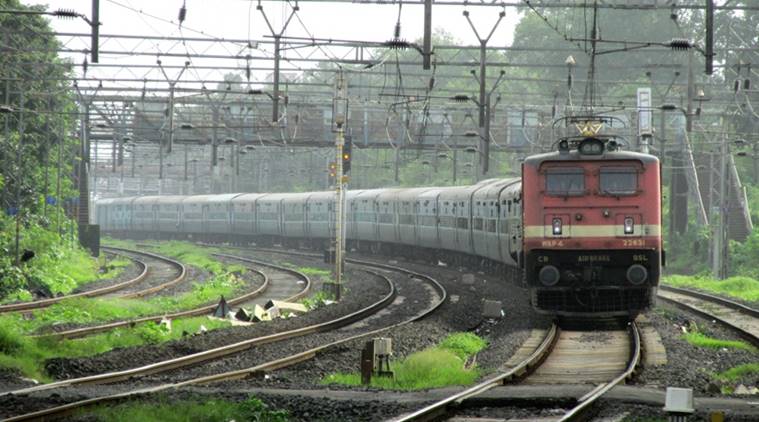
(11, 340)
(58, 267)
(743, 256)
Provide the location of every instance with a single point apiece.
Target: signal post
(342, 166)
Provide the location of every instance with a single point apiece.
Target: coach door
(204, 221)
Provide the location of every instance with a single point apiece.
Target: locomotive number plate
(633, 242)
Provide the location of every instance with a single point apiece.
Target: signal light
(332, 169)
(347, 153)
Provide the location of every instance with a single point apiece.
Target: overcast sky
(240, 19)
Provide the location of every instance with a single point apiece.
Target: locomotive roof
(574, 155)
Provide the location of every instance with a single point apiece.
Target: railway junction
(407, 210)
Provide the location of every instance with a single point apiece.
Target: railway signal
(347, 153)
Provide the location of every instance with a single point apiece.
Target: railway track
(151, 265)
(276, 285)
(558, 357)
(164, 272)
(735, 316)
(270, 365)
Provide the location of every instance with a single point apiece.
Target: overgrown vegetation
(439, 366)
(744, 288)
(164, 410)
(28, 355)
(19, 351)
(317, 300)
(190, 254)
(58, 266)
(37, 80)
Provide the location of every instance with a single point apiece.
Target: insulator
(397, 44)
(182, 14)
(680, 44)
(65, 13)
(736, 85)
(432, 83)
(747, 84)
(460, 98)
(397, 31)
(84, 66)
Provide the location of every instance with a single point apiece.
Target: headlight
(556, 226)
(629, 225)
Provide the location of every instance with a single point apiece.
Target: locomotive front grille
(593, 300)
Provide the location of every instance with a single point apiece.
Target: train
(581, 229)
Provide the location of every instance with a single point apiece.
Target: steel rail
(439, 408)
(712, 298)
(243, 373)
(436, 284)
(298, 274)
(576, 413)
(747, 335)
(85, 331)
(37, 304)
(218, 352)
(145, 292)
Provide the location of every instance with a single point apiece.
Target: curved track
(152, 266)
(285, 361)
(557, 352)
(163, 273)
(94, 329)
(735, 316)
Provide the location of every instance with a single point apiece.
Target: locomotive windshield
(565, 181)
(618, 181)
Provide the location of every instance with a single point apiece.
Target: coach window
(618, 181)
(565, 181)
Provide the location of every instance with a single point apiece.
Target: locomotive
(592, 227)
(581, 228)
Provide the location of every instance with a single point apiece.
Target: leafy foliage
(317, 300)
(58, 267)
(32, 148)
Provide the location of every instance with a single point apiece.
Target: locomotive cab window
(618, 181)
(565, 181)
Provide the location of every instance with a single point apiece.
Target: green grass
(317, 272)
(28, 355)
(208, 411)
(82, 310)
(738, 372)
(111, 269)
(701, 340)
(188, 253)
(19, 351)
(463, 344)
(435, 367)
(744, 288)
